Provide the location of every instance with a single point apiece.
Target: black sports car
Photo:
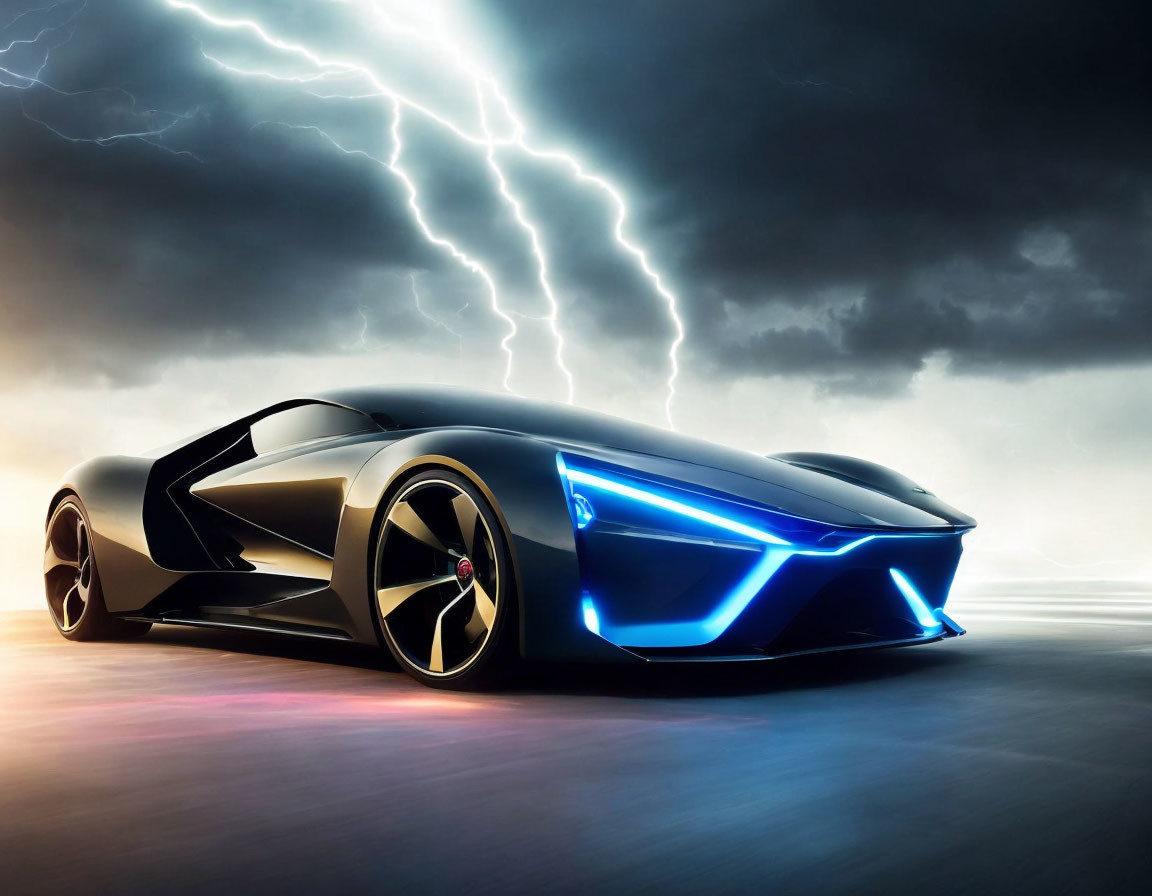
(466, 530)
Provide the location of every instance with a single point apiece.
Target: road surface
(1017, 759)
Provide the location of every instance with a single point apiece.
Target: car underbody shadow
(714, 679)
(655, 680)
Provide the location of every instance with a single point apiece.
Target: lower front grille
(857, 608)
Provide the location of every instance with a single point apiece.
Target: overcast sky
(862, 211)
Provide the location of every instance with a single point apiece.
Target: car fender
(519, 478)
(112, 491)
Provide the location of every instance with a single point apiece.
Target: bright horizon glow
(993, 473)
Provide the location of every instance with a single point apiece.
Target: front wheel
(72, 582)
(443, 584)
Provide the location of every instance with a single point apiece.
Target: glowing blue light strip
(693, 632)
(591, 618)
(851, 546)
(920, 609)
(651, 498)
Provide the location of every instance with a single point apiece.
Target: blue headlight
(654, 498)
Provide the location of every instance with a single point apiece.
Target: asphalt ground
(1017, 759)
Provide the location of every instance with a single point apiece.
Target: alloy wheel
(69, 569)
(437, 577)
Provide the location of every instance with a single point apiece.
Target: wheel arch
(63, 492)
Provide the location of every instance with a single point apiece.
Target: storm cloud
(838, 190)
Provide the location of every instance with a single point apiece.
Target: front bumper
(670, 574)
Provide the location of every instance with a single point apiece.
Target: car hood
(838, 491)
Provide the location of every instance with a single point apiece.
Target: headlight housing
(616, 498)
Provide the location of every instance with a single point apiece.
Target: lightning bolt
(534, 239)
(398, 102)
(28, 82)
(435, 321)
(481, 83)
(502, 131)
(460, 255)
(625, 241)
(362, 341)
(43, 31)
(467, 261)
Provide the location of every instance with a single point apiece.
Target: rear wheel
(72, 582)
(443, 584)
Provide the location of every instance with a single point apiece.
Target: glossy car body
(627, 543)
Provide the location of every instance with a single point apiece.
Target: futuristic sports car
(466, 531)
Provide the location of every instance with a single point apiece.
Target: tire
(443, 584)
(72, 581)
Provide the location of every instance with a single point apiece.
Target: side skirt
(299, 631)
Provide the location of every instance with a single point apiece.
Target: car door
(283, 505)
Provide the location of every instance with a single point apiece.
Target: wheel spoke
(74, 590)
(466, 517)
(391, 598)
(474, 628)
(404, 516)
(436, 660)
(84, 583)
(483, 613)
(484, 605)
(53, 560)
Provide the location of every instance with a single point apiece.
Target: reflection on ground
(1014, 759)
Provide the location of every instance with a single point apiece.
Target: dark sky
(839, 190)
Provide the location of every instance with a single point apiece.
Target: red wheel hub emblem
(463, 568)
